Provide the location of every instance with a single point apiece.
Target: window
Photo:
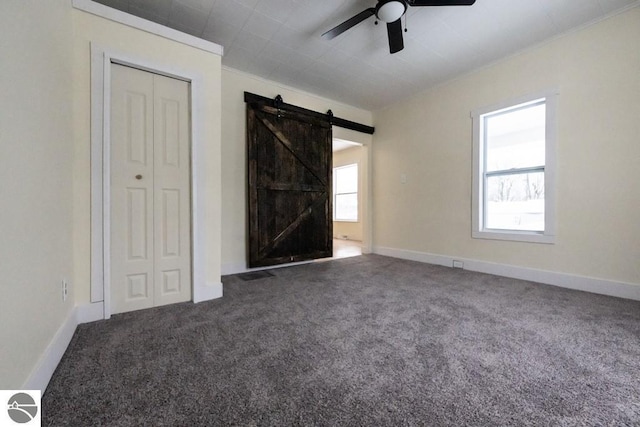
(514, 162)
(345, 193)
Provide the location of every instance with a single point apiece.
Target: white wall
(234, 165)
(166, 54)
(349, 156)
(428, 138)
(36, 161)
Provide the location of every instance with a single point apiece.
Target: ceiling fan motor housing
(390, 10)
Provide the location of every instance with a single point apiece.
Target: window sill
(515, 236)
(346, 220)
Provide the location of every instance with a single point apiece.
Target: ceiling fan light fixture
(391, 11)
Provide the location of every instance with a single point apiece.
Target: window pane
(347, 179)
(515, 202)
(515, 139)
(346, 207)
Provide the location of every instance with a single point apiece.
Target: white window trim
(549, 234)
(357, 192)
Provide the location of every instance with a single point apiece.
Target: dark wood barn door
(290, 210)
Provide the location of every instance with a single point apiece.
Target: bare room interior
(299, 212)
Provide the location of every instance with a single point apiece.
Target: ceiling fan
(390, 11)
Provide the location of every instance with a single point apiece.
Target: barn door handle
(138, 176)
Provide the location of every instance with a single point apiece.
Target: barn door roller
(279, 104)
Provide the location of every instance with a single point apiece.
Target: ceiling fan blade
(394, 29)
(441, 2)
(336, 31)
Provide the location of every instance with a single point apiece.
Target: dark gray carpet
(364, 341)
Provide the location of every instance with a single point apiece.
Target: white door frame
(101, 60)
(365, 176)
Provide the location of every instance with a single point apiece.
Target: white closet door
(172, 248)
(150, 196)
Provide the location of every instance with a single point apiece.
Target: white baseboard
(414, 256)
(564, 280)
(209, 292)
(233, 268)
(238, 268)
(48, 362)
(89, 312)
(41, 374)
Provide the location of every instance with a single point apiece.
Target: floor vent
(255, 275)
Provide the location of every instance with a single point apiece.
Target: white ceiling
(280, 39)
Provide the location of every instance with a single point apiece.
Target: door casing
(150, 171)
(101, 60)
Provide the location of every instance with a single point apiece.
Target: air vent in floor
(255, 275)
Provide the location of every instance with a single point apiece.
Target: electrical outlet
(458, 264)
(65, 289)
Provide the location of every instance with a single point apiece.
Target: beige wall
(169, 55)
(36, 160)
(234, 171)
(428, 138)
(353, 230)
(45, 161)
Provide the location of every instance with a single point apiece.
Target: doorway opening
(348, 197)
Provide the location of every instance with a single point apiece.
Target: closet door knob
(138, 176)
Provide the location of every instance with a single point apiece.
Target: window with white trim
(345, 193)
(514, 170)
